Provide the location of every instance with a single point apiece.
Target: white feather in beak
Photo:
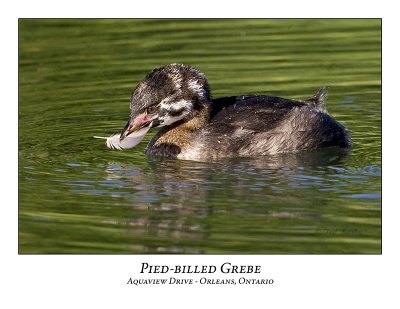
(130, 141)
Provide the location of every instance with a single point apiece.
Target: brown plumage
(177, 99)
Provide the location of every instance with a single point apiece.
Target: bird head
(167, 95)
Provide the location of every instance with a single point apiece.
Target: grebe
(176, 98)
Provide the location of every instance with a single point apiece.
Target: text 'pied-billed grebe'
(176, 98)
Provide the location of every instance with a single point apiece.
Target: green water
(76, 196)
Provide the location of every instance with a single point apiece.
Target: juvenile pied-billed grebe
(176, 98)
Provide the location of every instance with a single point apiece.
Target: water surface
(76, 196)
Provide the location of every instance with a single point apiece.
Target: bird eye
(151, 109)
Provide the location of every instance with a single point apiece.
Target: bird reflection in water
(174, 202)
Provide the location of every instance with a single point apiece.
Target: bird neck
(181, 133)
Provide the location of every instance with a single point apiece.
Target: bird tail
(318, 99)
